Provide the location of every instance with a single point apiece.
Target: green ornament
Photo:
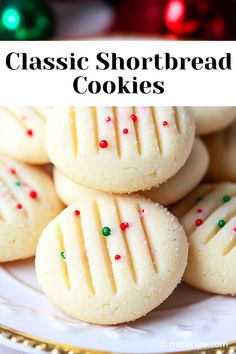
(25, 20)
(226, 198)
(106, 231)
(221, 223)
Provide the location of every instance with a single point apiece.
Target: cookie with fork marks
(208, 216)
(119, 149)
(28, 202)
(111, 259)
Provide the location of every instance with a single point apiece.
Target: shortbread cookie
(185, 180)
(22, 133)
(28, 202)
(212, 119)
(119, 149)
(69, 191)
(222, 150)
(208, 216)
(111, 259)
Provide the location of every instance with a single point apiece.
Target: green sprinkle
(200, 198)
(226, 198)
(106, 231)
(63, 255)
(17, 184)
(221, 223)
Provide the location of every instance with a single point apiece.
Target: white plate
(189, 319)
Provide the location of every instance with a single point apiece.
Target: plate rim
(44, 345)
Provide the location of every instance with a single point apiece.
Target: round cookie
(212, 119)
(28, 202)
(22, 133)
(222, 150)
(185, 180)
(111, 259)
(119, 149)
(208, 216)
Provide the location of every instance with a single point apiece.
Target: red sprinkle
(108, 119)
(134, 117)
(30, 132)
(33, 194)
(199, 211)
(117, 257)
(125, 131)
(165, 123)
(19, 206)
(103, 144)
(77, 213)
(198, 222)
(12, 171)
(124, 226)
(234, 229)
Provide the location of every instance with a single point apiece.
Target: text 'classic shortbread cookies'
(110, 259)
(22, 133)
(28, 202)
(208, 216)
(119, 149)
(212, 119)
(222, 150)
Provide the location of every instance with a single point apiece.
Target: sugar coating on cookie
(28, 202)
(22, 133)
(208, 216)
(111, 259)
(119, 149)
(212, 119)
(185, 180)
(222, 150)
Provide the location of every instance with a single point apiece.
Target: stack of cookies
(115, 252)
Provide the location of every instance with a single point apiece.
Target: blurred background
(75, 19)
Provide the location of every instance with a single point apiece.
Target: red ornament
(198, 222)
(199, 211)
(140, 16)
(125, 131)
(19, 206)
(196, 19)
(77, 213)
(33, 194)
(103, 144)
(117, 257)
(165, 123)
(124, 226)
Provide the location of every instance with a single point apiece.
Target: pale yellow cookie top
(22, 133)
(119, 149)
(111, 258)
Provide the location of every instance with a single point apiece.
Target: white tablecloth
(4, 350)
